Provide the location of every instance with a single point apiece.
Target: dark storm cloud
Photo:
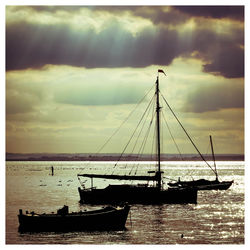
(178, 13)
(222, 52)
(157, 14)
(29, 45)
(49, 8)
(232, 12)
(211, 98)
(35, 45)
(229, 62)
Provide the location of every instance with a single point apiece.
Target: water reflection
(218, 218)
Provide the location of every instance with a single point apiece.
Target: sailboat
(153, 193)
(203, 184)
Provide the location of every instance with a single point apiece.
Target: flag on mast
(161, 71)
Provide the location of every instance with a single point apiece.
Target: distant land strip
(116, 157)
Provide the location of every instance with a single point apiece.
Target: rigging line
(148, 128)
(144, 141)
(187, 133)
(143, 125)
(134, 132)
(147, 133)
(172, 137)
(162, 136)
(154, 138)
(153, 144)
(152, 118)
(207, 148)
(153, 107)
(101, 148)
(124, 120)
(191, 171)
(140, 134)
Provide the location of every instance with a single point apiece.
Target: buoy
(182, 235)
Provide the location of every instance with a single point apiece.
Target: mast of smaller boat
(158, 173)
(212, 148)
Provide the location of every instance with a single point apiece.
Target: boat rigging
(139, 193)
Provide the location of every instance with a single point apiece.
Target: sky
(74, 74)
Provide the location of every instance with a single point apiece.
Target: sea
(217, 218)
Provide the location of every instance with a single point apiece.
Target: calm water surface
(218, 218)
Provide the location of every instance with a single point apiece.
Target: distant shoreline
(116, 157)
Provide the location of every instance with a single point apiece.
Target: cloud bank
(33, 45)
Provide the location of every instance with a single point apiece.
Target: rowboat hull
(109, 218)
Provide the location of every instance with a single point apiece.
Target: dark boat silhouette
(139, 193)
(107, 218)
(203, 184)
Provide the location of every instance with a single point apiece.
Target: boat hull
(204, 184)
(115, 194)
(106, 219)
(219, 186)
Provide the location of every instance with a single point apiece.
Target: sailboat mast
(158, 133)
(212, 148)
